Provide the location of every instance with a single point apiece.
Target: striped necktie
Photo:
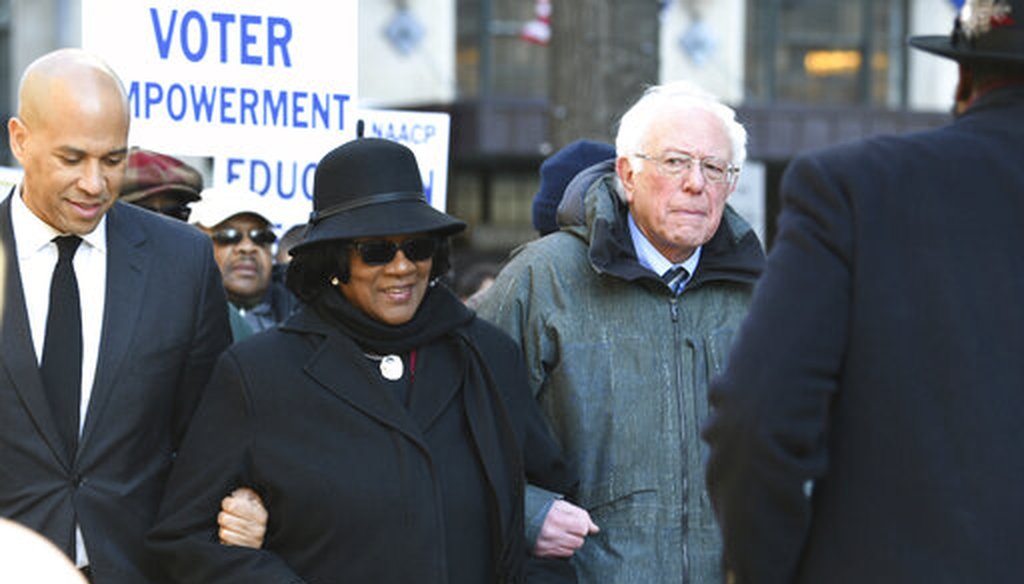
(674, 278)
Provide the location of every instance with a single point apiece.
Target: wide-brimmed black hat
(984, 30)
(371, 187)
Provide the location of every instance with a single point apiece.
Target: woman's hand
(565, 529)
(242, 519)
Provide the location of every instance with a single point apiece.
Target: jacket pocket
(718, 345)
(623, 507)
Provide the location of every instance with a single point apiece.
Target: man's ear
(964, 89)
(624, 168)
(731, 188)
(17, 136)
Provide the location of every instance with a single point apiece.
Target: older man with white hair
(624, 315)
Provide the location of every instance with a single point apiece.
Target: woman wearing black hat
(383, 425)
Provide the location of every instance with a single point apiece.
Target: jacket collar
(18, 366)
(1005, 96)
(426, 404)
(128, 263)
(734, 254)
(352, 380)
(305, 320)
(126, 270)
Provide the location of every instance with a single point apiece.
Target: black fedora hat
(984, 30)
(371, 187)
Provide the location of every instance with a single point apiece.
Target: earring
(335, 281)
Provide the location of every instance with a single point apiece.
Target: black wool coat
(879, 369)
(359, 487)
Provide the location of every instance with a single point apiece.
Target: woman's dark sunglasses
(378, 252)
(231, 236)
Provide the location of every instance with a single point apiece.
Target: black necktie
(674, 277)
(61, 366)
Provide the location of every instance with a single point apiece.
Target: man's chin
(243, 295)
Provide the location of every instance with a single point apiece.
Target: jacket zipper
(681, 405)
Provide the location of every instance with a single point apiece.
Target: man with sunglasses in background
(243, 241)
(160, 183)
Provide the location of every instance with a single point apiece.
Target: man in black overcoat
(868, 427)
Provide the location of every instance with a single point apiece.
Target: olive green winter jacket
(620, 367)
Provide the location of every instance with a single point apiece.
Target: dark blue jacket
(880, 368)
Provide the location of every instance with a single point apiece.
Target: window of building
(6, 91)
(492, 58)
(821, 51)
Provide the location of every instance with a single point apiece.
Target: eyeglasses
(378, 252)
(676, 164)
(232, 236)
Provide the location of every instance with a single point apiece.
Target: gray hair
(638, 120)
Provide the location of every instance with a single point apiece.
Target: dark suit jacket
(164, 324)
(882, 361)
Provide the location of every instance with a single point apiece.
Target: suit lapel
(126, 273)
(17, 355)
(358, 384)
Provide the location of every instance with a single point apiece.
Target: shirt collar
(33, 234)
(651, 258)
(261, 309)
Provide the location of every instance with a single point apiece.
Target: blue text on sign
(244, 106)
(193, 33)
(285, 180)
(405, 133)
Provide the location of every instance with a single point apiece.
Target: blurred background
(521, 78)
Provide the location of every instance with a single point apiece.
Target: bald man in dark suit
(86, 441)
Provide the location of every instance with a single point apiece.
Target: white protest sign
(426, 134)
(208, 77)
(287, 179)
(262, 87)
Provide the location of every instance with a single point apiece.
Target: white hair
(637, 122)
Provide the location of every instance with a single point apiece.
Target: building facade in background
(801, 73)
